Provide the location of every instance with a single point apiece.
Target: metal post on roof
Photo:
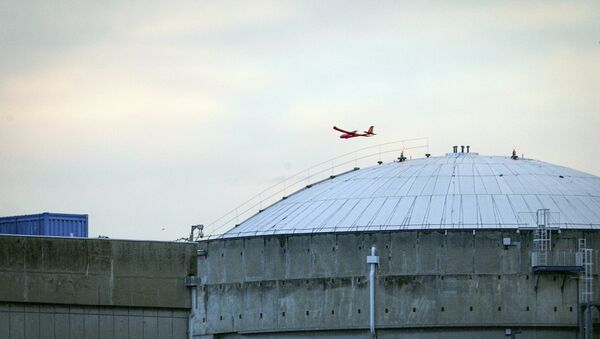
(198, 234)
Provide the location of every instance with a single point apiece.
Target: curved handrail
(302, 178)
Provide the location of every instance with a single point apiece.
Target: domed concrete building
(456, 246)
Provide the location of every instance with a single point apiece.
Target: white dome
(456, 191)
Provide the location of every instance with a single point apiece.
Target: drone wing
(343, 131)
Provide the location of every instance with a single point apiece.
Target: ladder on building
(584, 259)
(542, 240)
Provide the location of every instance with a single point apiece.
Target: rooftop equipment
(46, 224)
(401, 158)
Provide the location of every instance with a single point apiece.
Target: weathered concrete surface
(472, 333)
(430, 284)
(100, 272)
(44, 321)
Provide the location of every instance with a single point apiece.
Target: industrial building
(56, 288)
(456, 246)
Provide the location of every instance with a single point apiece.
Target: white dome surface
(456, 191)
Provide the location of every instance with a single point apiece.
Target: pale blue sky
(152, 115)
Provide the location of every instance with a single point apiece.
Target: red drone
(353, 134)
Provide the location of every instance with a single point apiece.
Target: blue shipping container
(46, 224)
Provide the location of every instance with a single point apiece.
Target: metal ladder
(542, 240)
(584, 259)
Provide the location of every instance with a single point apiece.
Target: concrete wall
(94, 288)
(427, 282)
(95, 271)
(43, 321)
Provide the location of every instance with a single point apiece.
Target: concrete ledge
(101, 272)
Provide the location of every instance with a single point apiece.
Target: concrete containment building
(57, 288)
(456, 246)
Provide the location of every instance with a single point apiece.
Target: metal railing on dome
(542, 217)
(388, 151)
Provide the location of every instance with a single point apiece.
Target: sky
(151, 116)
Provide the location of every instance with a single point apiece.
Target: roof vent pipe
(468, 148)
(462, 149)
(402, 157)
(454, 149)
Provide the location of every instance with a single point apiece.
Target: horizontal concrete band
(462, 333)
(44, 321)
(451, 327)
(401, 253)
(105, 272)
